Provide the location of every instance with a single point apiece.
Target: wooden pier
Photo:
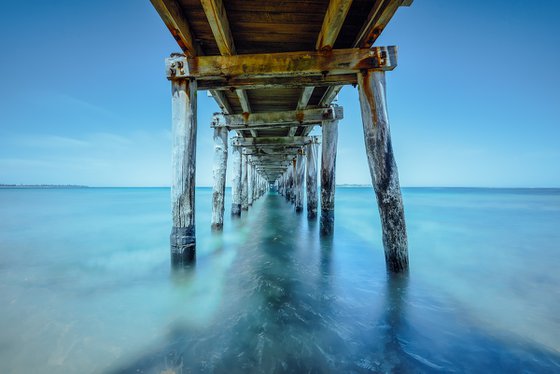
(275, 68)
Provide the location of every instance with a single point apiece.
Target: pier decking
(274, 68)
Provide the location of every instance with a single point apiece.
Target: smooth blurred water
(86, 285)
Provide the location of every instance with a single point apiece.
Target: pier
(275, 69)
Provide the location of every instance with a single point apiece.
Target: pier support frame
(328, 171)
(219, 176)
(383, 168)
(182, 239)
(236, 181)
(300, 180)
(311, 180)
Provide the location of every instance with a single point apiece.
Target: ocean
(86, 285)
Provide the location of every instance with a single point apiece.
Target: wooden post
(183, 241)
(249, 184)
(293, 181)
(244, 164)
(328, 171)
(300, 179)
(311, 182)
(236, 182)
(383, 168)
(219, 174)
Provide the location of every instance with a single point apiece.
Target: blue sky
(475, 100)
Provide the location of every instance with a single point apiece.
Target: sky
(474, 101)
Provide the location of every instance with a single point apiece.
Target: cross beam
(284, 64)
(305, 117)
(273, 141)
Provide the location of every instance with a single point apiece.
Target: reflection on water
(270, 294)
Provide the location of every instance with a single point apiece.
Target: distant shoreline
(72, 186)
(46, 186)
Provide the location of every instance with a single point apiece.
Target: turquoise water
(86, 285)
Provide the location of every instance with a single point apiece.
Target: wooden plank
(217, 18)
(332, 23)
(172, 15)
(182, 239)
(383, 169)
(233, 83)
(219, 177)
(288, 64)
(275, 119)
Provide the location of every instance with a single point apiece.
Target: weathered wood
(329, 95)
(286, 64)
(378, 18)
(328, 172)
(311, 179)
(183, 241)
(276, 119)
(295, 141)
(236, 182)
(305, 96)
(172, 15)
(244, 181)
(383, 169)
(219, 177)
(243, 100)
(300, 181)
(252, 83)
(332, 23)
(217, 18)
(222, 101)
(250, 172)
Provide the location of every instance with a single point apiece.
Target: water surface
(86, 285)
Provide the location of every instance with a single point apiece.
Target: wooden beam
(256, 151)
(332, 23)
(243, 100)
(217, 18)
(284, 64)
(252, 83)
(222, 101)
(379, 16)
(273, 141)
(173, 17)
(381, 11)
(305, 96)
(275, 119)
(329, 95)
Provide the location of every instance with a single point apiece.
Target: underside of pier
(275, 68)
